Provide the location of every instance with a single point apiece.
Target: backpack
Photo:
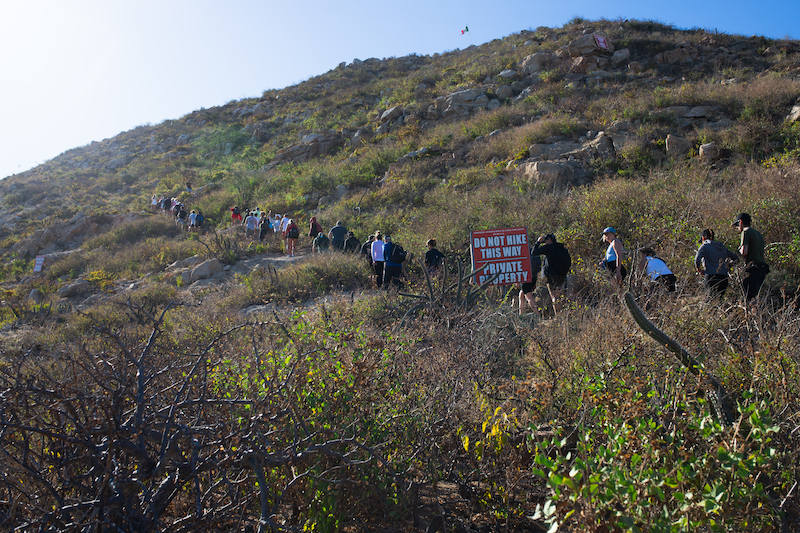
(293, 233)
(397, 255)
(562, 261)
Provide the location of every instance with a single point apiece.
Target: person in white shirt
(656, 269)
(377, 257)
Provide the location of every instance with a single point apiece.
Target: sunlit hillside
(288, 393)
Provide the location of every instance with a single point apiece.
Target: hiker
(291, 234)
(192, 221)
(321, 243)
(236, 215)
(613, 258)
(433, 258)
(656, 269)
(752, 250)
(393, 255)
(366, 249)
(558, 264)
(154, 204)
(526, 297)
(377, 258)
(352, 245)
(250, 225)
(264, 228)
(199, 221)
(314, 228)
(189, 186)
(338, 234)
(180, 217)
(713, 261)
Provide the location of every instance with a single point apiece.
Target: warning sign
(505, 253)
(38, 264)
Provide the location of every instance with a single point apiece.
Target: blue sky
(77, 71)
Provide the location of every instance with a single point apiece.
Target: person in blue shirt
(392, 272)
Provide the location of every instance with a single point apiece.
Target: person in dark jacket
(713, 261)
(557, 267)
(392, 272)
(352, 245)
(751, 247)
(433, 258)
(337, 235)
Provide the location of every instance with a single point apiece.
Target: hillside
(287, 393)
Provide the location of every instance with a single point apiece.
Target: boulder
(37, 296)
(534, 62)
(509, 74)
(678, 146)
(794, 114)
(560, 174)
(620, 58)
(206, 269)
(392, 114)
(493, 104)
(592, 44)
(74, 289)
(710, 152)
(585, 64)
(505, 92)
(461, 103)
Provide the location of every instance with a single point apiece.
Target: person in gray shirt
(713, 260)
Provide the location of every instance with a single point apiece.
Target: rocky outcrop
(206, 270)
(312, 145)
(459, 104)
(534, 62)
(555, 174)
(710, 152)
(678, 146)
(794, 114)
(592, 44)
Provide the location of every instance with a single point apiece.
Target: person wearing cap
(352, 245)
(656, 269)
(752, 250)
(557, 267)
(712, 260)
(613, 258)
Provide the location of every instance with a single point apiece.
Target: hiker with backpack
(394, 256)
(291, 234)
(321, 243)
(556, 268)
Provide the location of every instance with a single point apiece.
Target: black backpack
(562, 261)
(293, 233)
(398, 255)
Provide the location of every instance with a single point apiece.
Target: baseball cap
(609, 230)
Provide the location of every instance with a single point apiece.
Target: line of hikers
(712, 260)
(548, 257)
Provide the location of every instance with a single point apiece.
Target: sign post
(37, 265)
(504, 252)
